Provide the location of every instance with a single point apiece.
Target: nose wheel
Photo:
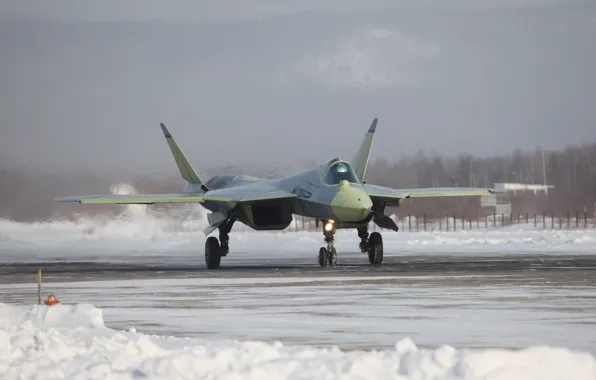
(328, 255)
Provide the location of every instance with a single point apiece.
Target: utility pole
(543, 168)
(39, 286)
(574, 171)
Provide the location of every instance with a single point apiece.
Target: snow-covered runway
(484, 291)
(510, 310)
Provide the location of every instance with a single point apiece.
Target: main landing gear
(372, 244)
(328, 255)
(214, 251)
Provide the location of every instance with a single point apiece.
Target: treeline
(571, 171)
(26, 195)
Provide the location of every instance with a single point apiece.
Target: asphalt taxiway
(580, 267)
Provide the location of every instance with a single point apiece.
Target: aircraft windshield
(340, 171)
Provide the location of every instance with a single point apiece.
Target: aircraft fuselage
(319, 195)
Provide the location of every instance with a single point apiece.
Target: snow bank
(71, 341)
(41, 316)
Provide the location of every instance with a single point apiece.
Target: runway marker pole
(39, 286)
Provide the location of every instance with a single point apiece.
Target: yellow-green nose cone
(351, 203)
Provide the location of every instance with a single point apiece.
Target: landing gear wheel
(375, 251)
(332, 258)
(212, 253)
(323, 256)
(328, 255)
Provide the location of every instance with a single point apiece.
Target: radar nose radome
(351, 203)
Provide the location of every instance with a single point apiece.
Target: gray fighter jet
(334, 193)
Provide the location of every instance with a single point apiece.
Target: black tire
(323, 256)
(375, 252)
(332, 258)
(212, 253)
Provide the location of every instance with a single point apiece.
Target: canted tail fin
(360, 162)
(186, 169)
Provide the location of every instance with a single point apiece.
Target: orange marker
(51, 300)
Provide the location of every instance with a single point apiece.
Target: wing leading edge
(134, 199)
(389, 195)
(237, 196)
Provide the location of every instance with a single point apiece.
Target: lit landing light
(329, 226)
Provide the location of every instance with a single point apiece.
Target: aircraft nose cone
(351, 203)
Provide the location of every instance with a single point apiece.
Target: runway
(511, 300)
(350, 264)
(473, 289)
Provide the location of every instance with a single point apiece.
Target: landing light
(329, 226)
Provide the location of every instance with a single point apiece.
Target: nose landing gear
(328, 255)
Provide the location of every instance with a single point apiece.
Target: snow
(71, 341)
(141, 230)
(498, 327)
(503, 310)
(135, 233)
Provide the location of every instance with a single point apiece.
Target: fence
(413, 223)
(450, 223)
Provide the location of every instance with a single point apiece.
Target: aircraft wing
(392, 196)
(134, 199)
(236, 195)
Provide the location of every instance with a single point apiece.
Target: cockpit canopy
(337, 171)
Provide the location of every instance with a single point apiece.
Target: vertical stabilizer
(360, 162)
(186, 169)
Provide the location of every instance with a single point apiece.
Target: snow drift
(71, 341)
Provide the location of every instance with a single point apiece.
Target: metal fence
(421, 223)
(543, 221)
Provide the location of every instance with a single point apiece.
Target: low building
(501, 203)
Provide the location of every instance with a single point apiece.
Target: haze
(85, 84)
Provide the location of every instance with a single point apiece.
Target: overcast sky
(84, 84)
(226, 10)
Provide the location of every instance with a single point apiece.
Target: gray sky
(226, 10)
(84, 84)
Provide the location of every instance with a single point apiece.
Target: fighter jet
(334, 193)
